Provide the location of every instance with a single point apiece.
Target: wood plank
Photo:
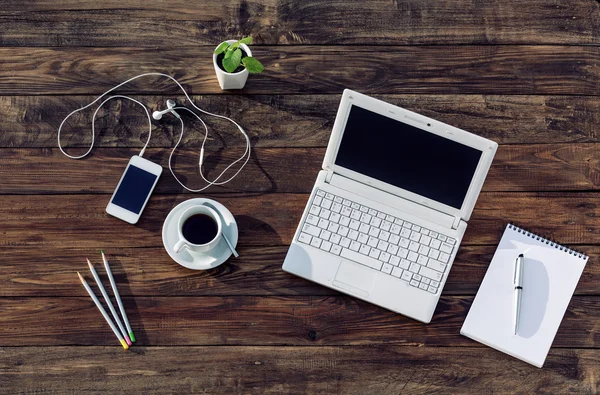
(150, 272)
(292, 120)
(80, 221)
(516, 168)
(276, 370)
(513, 69)
(154, 23)
(256, 320)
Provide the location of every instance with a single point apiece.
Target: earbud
(170, 106)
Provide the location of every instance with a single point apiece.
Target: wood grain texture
(516, 168)
(291, 120)
(271, 219)
(257, 320)
(514, 69)
(293, 370)
(29, 272)
(180, 23)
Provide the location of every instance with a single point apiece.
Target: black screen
(134, 189)
(407, 157)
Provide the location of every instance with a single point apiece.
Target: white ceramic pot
(231, 80)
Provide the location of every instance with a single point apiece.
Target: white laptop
(390, 207)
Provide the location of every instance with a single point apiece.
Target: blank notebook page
(551, 273)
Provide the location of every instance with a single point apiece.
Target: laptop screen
(407, 157)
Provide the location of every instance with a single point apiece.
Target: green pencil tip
(102, 252)
(132, 337)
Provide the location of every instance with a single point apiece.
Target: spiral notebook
(551, 273)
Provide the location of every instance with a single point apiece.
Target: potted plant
(233, 61)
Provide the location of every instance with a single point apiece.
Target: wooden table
(525, 73)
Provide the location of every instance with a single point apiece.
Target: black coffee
(199, 229)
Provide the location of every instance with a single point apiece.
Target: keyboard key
(346, 211)
(354, 224)
(435, 283)
(336, 249)
(416, 228)
(436, 265)
(364, 209)
(355, 215)
(362, 259)
(393, 260)
(383, 245)
(335, 239)
(425, 232)
(412, 256)
(425, 240)
(345, 242)
(433, 234)
(423, 250)
(304, 238)
(315, 242)
(325, 245)
(421, 260)
(415, 236)
(333, 227)
(364, 228)
(395, 229)
(325, 234)
(335, 217)
(323, 223)
(354, 245)
(397, 272)
(405, 232)
(413, 246)
(385, 225)
(353, 235)
(344, 221)
(431, 289)
(434, 254)
(347, 202)
(451, 240)
(373, 241)
(417, 277)
(383, 235)
(406, 275)
(355, 206)
(381, 215)
(390, 218)
(435, 244)
(372, 211)
(364, 249)
(414, 283)
(363, 238)
(338, 199)
(444, 257)
(430, 273)
(374, 231)
(343, 231)
(312, 219)
(375, 222)
(320, 193)
(384, 257)
(366, 218)
(394, 239)
(326, 204)
(311, 230)
(387, 268)
(328, 195)
(336, 208)
(414, 267)
(425, 280)
(318, 200)
(315, 210)
(445, 247)
(403, 242)
(324, 213)
(374, 253)
(404, 264)
(398, 221)
(442, 237)
(392, 249)
(403, 252)
(423, 286)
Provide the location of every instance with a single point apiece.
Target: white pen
(109, 303)
(518, 284)
(117, 297)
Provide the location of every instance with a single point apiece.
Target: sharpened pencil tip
(80, 277)
(88, 261)
(102, 252)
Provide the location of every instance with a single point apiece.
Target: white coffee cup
(184, 243)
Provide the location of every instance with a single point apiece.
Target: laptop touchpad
(355, 278)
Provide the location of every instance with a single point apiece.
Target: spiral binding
(547, 241)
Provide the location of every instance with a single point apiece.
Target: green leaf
(253, 65)
(222, 47)
(235, 45)
(231, 62)
(246, 40)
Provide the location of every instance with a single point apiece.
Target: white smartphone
(134, 189)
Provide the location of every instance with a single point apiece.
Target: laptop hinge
(328, 176)
(456, 222)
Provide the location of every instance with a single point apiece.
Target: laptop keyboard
(411, 253)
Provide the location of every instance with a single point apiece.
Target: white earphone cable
(245, 156)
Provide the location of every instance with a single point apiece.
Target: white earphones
(170, 106)
(157, 115)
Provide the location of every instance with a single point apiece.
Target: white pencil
(104, 313)
(109, 303)
(117, 297)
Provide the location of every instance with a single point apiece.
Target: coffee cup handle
(179, 245)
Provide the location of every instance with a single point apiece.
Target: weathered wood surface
(257, 320)
(62, 221)
(291, 120)
(29, 272)
(298, 370)
(181, 23)
(516, 168)
(510, 69)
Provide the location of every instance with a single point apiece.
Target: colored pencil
(117, 297)
(109, 303)
(104, 313)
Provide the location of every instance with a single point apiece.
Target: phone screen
(134, 189)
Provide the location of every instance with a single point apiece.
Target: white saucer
(199, 260)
